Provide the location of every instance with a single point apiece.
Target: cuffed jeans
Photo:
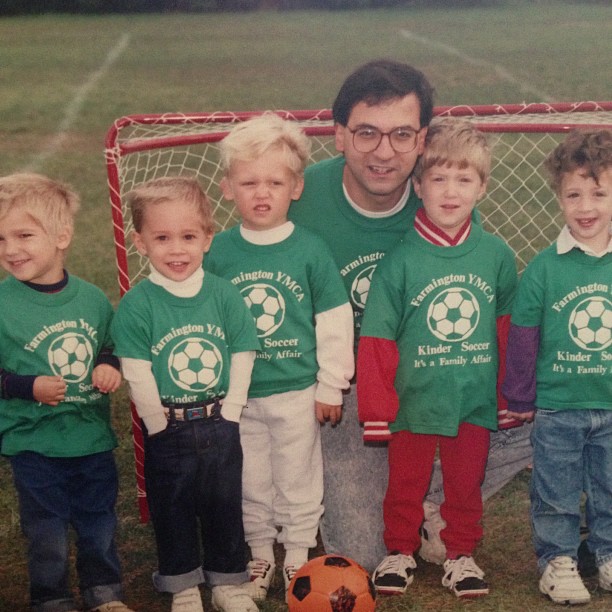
(193, 473)
(55, 493)
(572, 453)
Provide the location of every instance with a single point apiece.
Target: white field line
(72, 110)
(504, 74)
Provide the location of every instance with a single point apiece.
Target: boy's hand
(49, 390)
(106, 378)
(522, 416)
(328, 412)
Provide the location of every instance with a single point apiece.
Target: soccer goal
(518, 206)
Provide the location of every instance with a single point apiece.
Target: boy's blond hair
(52, 205)
(589, 150)
(249, 140)
(455, 141)
(170, 189)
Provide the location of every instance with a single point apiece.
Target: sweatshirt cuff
(376, 431)
(521, 407)
(155, 422)
(328, 395)
(231, 411)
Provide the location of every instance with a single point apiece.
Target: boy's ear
(298, 188)
(138, 243)
(226, 188)
(64, 238)
(483, 189)
(417, 186)
(208, 241)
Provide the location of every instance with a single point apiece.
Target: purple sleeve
(519, 386)
(19, 386)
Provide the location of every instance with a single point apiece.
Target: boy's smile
(587, 207)
(173, 238)
(28, 252)
(449, 194)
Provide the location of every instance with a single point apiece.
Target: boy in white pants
(305, 325)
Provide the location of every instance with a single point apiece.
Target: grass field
(65, 79)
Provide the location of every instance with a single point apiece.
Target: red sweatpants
(463, 460)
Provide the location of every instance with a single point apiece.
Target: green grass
(276, 61)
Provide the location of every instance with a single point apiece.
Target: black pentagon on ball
(301, 587)
(337, 561)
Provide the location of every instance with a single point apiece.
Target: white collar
(185, 289)
(566, 242)
(385, 213)
(266, 237)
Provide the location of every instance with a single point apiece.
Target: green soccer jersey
(189, 341)
(55, 334)
(569, 297)
(284, 285)
(358, 243)
(442, 315)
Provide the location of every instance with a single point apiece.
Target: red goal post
(518, 206)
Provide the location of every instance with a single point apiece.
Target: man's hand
(49, 390)
(105, 378)
(328, 412)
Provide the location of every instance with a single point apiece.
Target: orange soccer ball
(331, 583)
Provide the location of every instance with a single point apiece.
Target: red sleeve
(503, 329)
(377, 361)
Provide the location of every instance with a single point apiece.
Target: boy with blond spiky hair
(58, 367)
(305, 323)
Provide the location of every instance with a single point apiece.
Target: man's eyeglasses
(367, 139)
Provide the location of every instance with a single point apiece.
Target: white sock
(296, 557)
(265, 552)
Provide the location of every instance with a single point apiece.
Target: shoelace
(394, 564)
(462, 568)
(290, 572)
(565, 567)
(259, 568)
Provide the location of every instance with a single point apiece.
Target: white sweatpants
(282, 478)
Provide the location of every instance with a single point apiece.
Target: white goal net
(518, 206)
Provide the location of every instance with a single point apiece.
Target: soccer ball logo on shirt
(70, 356)
(453, 314)
(361, 287)
(195, 364)
(267, 306)
(590, 324)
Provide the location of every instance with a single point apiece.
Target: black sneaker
(393, 574)
(464, 578)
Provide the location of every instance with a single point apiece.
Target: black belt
(192, 411)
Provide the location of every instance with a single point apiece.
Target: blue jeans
(193, 474)
(572, 453)
(55, 493)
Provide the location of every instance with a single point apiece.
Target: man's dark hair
(380, 81)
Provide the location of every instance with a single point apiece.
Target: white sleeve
(240, 380)
(334, 334)
(144, 393)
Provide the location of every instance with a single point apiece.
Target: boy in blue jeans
(558, 369)
(187, 344)
(57, 370)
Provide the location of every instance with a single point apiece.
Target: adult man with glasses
(361, 203)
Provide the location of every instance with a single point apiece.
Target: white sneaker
(232, 598)
(432, 548)
(464, 578)
(394, 574)
(188, 600)
(289, 571)
(260, 577)
(561, 582)
(605, 576)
